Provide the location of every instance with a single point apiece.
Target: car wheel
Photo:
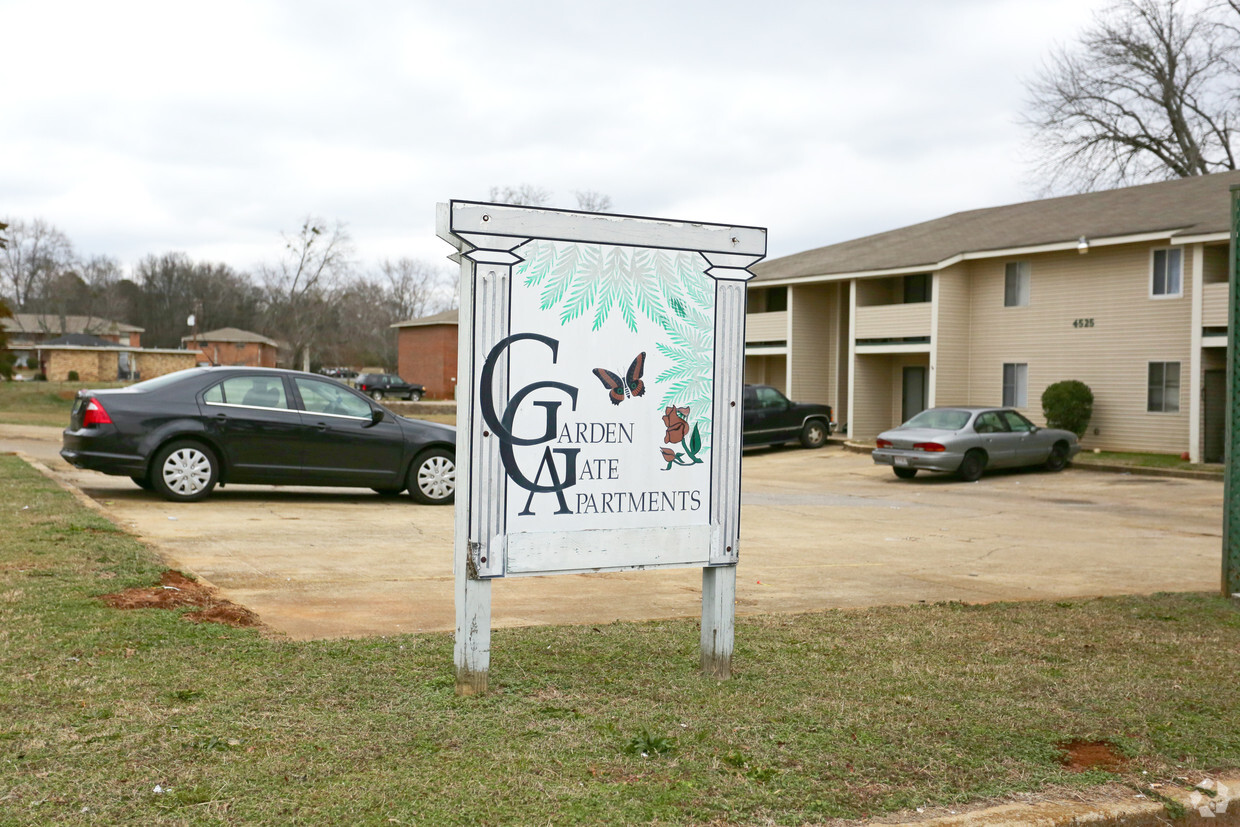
(814, 434)
(142, 482)
(905, 473)
(387, 492)
(414, 396)
(376, 395)
(184, 471)
(1058, 460)
(972, 466)
(432, 478)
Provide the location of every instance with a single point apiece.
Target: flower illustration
(676, 420)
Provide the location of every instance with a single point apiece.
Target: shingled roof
(230, 334)
(446, 317)
(51, 323)
(1183, 207)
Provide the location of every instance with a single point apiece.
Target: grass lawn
(49, 403)
(836, 714)
(41, 403)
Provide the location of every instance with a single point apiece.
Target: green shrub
(72, 377)
(1069, 405)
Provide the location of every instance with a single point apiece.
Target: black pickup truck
(772, 419)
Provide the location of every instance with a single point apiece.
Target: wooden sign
(599, 424)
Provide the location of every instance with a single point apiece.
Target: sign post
(1231, 482)
(602, 365)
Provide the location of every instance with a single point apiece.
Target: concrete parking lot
(820, 529)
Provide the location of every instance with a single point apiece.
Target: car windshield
(939, 419)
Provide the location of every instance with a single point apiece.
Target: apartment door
(914, 392)
(1214, 391)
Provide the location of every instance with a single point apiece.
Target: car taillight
(928, 446)
(884, 443)
(95, 414)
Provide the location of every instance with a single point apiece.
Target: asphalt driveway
(820, 529)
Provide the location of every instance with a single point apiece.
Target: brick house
(426, 352)
(27, 330)
(232, 346)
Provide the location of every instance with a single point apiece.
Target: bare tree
(525, 195)
(300, 284)
(415, 288)
(594, 201)
(1148, 93)
(35, 254)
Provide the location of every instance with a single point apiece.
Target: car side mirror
(376, 416)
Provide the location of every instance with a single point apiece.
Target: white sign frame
(489, 239)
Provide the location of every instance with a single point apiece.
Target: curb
(1132, 806)
(862, 448)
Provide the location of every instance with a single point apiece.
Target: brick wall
(150, 365)
(426, 354)
(91, 365)
(251, 354)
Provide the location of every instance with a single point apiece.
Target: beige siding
(814, 342)
(950, 346)
(766, 327)
(1214, 304)
(872, 391)
(841, 350)
(893, 321)
(1111, 286)
(899, 361)
(767, 370)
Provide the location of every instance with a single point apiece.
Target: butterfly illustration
(619, 389)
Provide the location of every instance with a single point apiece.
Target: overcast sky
(209, 128)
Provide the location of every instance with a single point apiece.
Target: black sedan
(180, 434)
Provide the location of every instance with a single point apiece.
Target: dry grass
(840, 714)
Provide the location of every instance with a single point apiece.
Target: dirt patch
(1079, 756)
(176, 591)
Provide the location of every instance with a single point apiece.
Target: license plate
(901, 460)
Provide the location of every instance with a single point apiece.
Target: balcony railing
(766, 327)
(893, 321)
(1214, 304)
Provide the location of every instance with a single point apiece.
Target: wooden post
(719, 580)
(718, 620)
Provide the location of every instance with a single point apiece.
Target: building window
(1164, 387)
(1167, 276)
(917, 288)
(1016, 284)
(776, 299)
(1015, 384)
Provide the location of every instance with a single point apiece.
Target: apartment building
(1125, 290)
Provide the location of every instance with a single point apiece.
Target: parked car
(380, 385)
(181, 434)
(772, 419)
(967, 441)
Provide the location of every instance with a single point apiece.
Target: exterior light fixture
(1082, 245)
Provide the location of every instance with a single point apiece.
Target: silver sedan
(967, 441)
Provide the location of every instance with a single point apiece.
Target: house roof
(50, 323)
(230, 334)
(1183, 207)
(81, 340)
(446, 317)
